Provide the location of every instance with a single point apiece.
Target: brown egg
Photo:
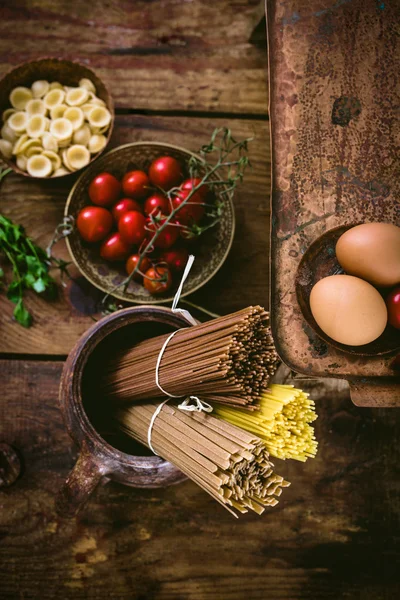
(371, 251)
(348, 309)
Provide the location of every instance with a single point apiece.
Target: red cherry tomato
(166, 238)
(114, 248)
(157, 287)
(123, 206)
(393, 306)
(132, 227)
(104, 189)
(145, 265)
(193, 211)
(176, 259)
(136, 184)
(165, 172)
(94, 223)
(191, 183)
(157, 203)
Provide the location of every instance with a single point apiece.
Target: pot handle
(79, 485)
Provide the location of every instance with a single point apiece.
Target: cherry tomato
(94, 223)
(166, 238)
(132, 227)
(104, 189)
(145, 265)
(176, 259)
(393, 306)
(114, 248)
(165, 172)
(158, 287)
(135, 184)
(193, 211)
(157, 203)
(188, 184)
(123, 206)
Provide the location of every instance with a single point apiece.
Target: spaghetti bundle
(227, 360)
(282, 421)
(230, 464)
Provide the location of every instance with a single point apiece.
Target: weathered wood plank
(169, 55)
(333, 535)
(39, 207)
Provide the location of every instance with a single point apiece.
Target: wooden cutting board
(334, 109)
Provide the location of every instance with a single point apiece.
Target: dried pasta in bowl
(51, 129)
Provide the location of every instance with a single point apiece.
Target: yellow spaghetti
(282, 421)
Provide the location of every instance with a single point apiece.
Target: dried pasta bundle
(227, 360)
(230, 464)
(282, 422)
(50, 117)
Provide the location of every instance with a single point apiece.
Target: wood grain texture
(39, 206)
(333, 534)
(172, 55)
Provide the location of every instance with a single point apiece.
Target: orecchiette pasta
(39, 166)
(6, 148)
(20, 97)
(52, 129)
(78, 156)
(18, 121)
(40, 88)
(76, 116)
(36, 126)
(36, 107)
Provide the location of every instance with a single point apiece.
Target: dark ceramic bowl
(210, 250)
(65, 72)
(318, 262)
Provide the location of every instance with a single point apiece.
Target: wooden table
(177, 70)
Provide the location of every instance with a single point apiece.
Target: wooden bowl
(318, 262)
(210, 250)
(52, 69)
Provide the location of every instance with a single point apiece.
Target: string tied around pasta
(191, 403)
(199, 406)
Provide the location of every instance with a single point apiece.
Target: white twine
(199, 406)
(187, 404)
(185, 313)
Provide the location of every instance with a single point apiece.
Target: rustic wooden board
(335, 120)
(333, 534)
(174, 55)
(39, 207)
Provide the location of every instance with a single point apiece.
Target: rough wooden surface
(333, 534)
(39, 207)
(173, 55)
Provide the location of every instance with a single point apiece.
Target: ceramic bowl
(51, 69)
(320, 261)
(210, 250)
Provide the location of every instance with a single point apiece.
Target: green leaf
(21, 315)
(1, 272)
(39, 286)
(14, 291)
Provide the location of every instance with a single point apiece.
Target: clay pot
(80, 404)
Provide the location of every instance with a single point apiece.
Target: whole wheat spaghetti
(227, 360)
(230, 464)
